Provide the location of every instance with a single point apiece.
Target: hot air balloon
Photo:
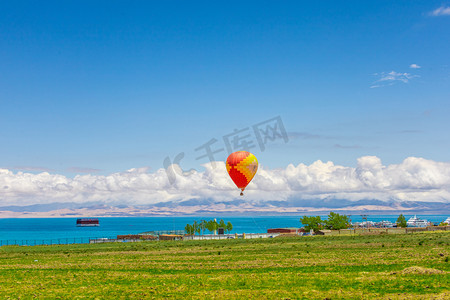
(241, 167)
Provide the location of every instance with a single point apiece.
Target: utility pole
(364, 217)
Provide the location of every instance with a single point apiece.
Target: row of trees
(212, 226)
(334, 221)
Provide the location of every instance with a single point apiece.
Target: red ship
(87, 222)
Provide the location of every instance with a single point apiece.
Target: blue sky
(108, 86)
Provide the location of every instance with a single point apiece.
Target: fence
(374, 230)
(96, 240)
(230, 236)
(60, 241)
(211, 237)
(260, 235)
(159, 232)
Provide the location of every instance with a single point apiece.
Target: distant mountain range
(236, 207)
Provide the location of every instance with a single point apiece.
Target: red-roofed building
(289, 230)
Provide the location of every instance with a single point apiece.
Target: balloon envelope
(242, 167)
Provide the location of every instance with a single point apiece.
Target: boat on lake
(416, 222)
(384, 224)
(92, 222)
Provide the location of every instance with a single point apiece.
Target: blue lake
(64, 228)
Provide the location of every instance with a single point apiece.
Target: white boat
(384, 224)
(447, 221)
(416, 222)
(367, 224)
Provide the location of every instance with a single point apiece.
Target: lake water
(64, 228)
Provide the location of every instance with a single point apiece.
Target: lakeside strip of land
(336, 267)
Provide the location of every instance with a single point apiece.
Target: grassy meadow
(397, 266)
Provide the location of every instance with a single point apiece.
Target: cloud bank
(441, 11)
(393, 77)
(415, 179)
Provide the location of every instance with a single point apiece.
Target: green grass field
(413, 266)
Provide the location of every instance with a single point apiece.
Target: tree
(229, 226)
(203, 226)
(222, 224)
(336, 221)
(212, 226)
(189, 229)
(209, 226)
(314, 223)
(196, 227)
(401, 221)
(215, 225)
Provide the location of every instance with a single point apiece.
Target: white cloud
(415, 179)
(31, 168)
(414, 66)
(390, 78)
(441, 11)
(83, 170)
